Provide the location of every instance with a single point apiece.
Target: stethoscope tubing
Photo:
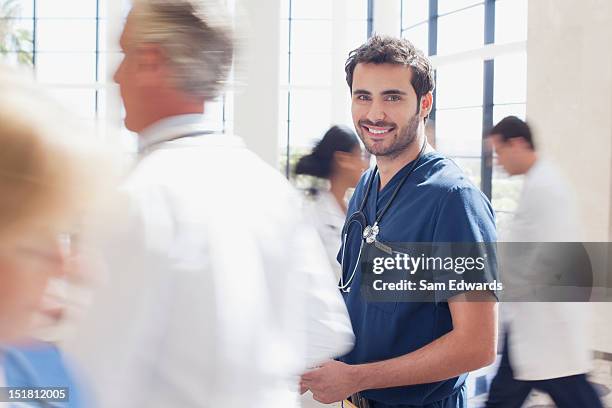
(346, 286)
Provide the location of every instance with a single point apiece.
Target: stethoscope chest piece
(370, 233)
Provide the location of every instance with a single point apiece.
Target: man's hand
(332, 382)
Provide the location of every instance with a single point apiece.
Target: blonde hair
(196, 37)
(49, 174)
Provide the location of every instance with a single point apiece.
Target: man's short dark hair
(512, 127)
(390, 50)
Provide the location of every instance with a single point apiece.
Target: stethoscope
(369, 233)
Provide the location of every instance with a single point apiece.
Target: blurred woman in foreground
(48, 177)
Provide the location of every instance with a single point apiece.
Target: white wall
(387, 17)
(257, 72)
(569, 102)
(569, 98)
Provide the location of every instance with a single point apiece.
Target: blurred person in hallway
(546, 344)
(338, 159)
(218, 294)
(50, 178)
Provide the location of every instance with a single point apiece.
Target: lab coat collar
(169, 128)
(183, 131)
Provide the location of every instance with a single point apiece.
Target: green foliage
(13, 39)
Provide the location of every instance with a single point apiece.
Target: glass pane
(459, 85)
(471, 168)
(284, 36)
(66, 68)
(459, 132)
(446, 6)
(501, 111)
(17, 59)
(304, 134)
(107, 43)
(506, 192)
(357, 10)
(319, 9)
(107, 65)
(414, 12)
(283, 69)
(19, 8)
(16, 35)
(510, 84)
(66, 35)
(311, 36)
(79, 102)
(101, 103)
(284, 9)
(283, 114)
(357, 34)
(310, 116)
(103, 8)
(282, 129)
(419, 36)
(65, 8)
(311, 69)
(103, 41)
(510, 21)
(461, 31)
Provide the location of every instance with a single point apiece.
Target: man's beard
(404, 138)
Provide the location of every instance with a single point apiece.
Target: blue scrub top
(41, 365)
(437, 203)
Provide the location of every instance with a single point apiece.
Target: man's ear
(518, 142)
(151, 61)
(426, 104)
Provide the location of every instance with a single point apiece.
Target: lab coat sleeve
(328, 327)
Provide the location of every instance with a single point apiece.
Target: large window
(63, 42)
(72, 48)
(478, 50)
(316, 37)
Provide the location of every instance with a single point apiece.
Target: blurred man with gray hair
(218, 294)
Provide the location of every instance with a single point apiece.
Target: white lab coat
(219, 295)
(328, 218)
(547, 340)
(323, 211)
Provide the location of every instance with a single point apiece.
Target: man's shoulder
(445, 177)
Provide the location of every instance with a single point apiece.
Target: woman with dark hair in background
(337, 158)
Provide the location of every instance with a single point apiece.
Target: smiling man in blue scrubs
(407, 354)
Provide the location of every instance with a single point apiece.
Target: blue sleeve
(465, 215)
(42, 365)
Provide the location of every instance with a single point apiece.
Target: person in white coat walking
(338, 159)
(218, 294)
(546, 345)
